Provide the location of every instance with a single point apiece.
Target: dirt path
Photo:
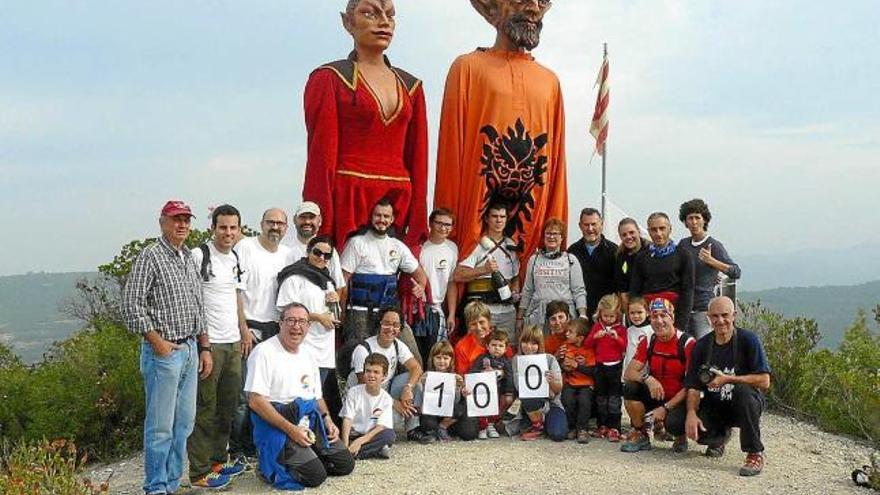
(800, 459)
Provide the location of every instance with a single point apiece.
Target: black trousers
(578, 403)
(465, 427)
(742, 411)
(675, 418)
(608, 394)
(311, 465)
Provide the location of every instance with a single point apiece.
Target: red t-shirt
(665, 365)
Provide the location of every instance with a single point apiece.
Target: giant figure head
(370, 23)
(520, 21)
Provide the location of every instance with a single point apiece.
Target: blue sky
(768, 110)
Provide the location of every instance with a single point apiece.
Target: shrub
(44, 467)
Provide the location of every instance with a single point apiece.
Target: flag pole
(604, 147)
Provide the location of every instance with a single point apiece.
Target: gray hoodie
(549, 279)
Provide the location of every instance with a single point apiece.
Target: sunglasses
(321, 254)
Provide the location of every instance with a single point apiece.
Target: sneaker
(636, 441)
(483, 435)
(680, 445)
(583, 436)
(533, 433)
(717, 449)
(213, 481)
(443, 435)
(600, 433)
(613, 435)
(421, 436)
(754, 464)
(572, 434)
(229, 468)
(492, 432)
(384, 452)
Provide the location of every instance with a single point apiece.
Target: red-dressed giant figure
(367, 132)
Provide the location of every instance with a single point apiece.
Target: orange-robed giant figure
(502, 131)
(367, 132)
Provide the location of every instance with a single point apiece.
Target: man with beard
(308, 221)
(502, 131)
(370, 262)
(261, 259)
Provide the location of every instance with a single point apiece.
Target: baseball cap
(308, 207)
(173, 208)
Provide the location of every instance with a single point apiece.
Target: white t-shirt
(372, 255)
(360, 355)
(319, 340)
(260, 271)
(220, 295)
(298, 251)
(508, 266)
(438, 261)
(282, 376)
(367, 411)
(634, 335)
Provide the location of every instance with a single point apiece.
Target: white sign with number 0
(483, 397)
(531, 371)
(439, 395)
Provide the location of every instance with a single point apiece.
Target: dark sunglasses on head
(321, 254)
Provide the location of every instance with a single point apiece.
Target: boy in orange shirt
(578, 366)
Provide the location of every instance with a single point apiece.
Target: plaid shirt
(164, 293)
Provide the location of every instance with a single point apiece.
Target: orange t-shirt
(553, 342)
(502, 138)
(576, 378)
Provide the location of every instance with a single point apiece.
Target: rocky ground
(800, 459)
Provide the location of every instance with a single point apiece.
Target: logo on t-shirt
(442, 265)
(393, 255)
(306, 382)
(374, 418)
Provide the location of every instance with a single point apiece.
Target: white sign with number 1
(439, 395)
(531, 376)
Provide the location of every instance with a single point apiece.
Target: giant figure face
(370, 23)
(518, 20)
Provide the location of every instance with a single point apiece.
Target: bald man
(729, 368)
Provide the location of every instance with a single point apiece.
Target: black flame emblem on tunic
(513, 164)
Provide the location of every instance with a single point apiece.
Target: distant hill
(29, 317)
(834, 307)
(809, 268)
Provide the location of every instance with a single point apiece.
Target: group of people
(308, 349)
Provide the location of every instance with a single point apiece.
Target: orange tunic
(502, 138)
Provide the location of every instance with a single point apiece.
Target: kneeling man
(297, 441)
(729, 370)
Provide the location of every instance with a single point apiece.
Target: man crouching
(729, 369)
(297, 441)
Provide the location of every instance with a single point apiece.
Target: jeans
(395, 388)
(170, 392)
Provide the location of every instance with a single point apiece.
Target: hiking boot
(680, 445)
(420, 436)
(491, 432)
(384, 452)
(443, 435)
(716, 450)
(231, 468)
(583, 436)
(600, 433)
(572, 434)
(754, 464)
(636, 441)
(534, 432)
(212, 481)
(613, 435)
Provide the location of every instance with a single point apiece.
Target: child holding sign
(607, 339)
(495, 360)
(441, 360)
(367, 421)
(578, 367)
(544, 415)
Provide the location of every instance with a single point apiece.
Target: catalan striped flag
(599, 126)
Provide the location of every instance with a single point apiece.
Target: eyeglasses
(295, 322)
(321, 254)
(395, 326)
(552, 234)
(445, 225)
(544, 4)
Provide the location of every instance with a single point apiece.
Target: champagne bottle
(500, 284)
(335, 310)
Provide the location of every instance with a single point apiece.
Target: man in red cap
(162, 302)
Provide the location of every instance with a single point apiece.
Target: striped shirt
(164, 293)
